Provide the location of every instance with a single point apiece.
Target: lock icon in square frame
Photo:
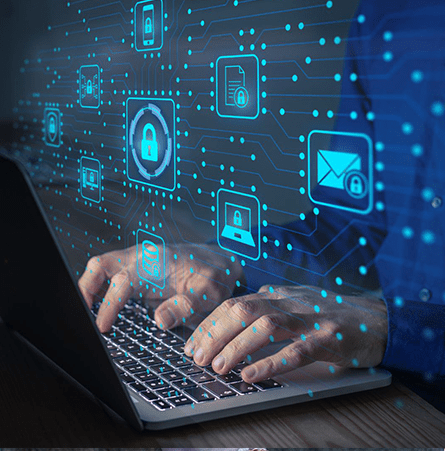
(150, 147)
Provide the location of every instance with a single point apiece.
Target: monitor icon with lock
(238, 223)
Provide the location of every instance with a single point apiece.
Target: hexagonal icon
(340, 172)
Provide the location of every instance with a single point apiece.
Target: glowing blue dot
(437, 108)
(399, 302)
(284, 362)
(387, 36)
(363, 270)
(417, 76)
(370, 116)
(271, 338)
(324, 293)
(407, 128)
(302, 216)
(310, 393)
(362, 241)
(322, 41)
(317, 326)
(355, 362)
(289, 247)
(353, 77)
(271, 289)
(301, 25)
(428, 237)
(388, 56)
(331, 369)
(427, 194)
(354, 115)
(308, 60)
(380, 206)
(339, 336)
(417, 150)
(329, 4)
(330, 114)
(338, 281)
(337, 40)
(428, 334)
(315, 113)
(361, 18)
(287, 27)
(337, 77)
(363, 327)
(339, 299)
(294, 78)
(282, 111)
(316, 309)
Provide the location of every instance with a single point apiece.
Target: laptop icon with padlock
(238, 224)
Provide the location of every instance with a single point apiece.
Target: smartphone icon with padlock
(148, 25)
(149, 145)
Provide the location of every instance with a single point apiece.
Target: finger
(92, 280)
(119, 292)
(224, 324)
(295, 355)
(176, 310)
(269, 328)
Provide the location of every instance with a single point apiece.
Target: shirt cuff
(416, 338)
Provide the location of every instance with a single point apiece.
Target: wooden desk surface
(39, 408)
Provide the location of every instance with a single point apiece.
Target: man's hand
(348, 331)
(198, 279)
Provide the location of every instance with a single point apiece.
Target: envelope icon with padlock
(332, 167)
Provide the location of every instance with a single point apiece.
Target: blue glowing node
(437, 108)
(417, 76)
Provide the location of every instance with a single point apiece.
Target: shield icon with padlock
(52, 126)
(149, 145)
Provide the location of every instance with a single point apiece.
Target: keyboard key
(220, 390)
(147, 342)
(160, 334)
(168, 393)
(179, 362)
(238, 368)
(181, 401)
(154, 384)
(199, 394)
(184, 383)
(156, 348)
(161, 369)
(203, 377)
(167, 355)
(179, 348)
(244, 387)
(122, 361)
(162, 405)
(137, 387)
(134, 368)
(172, 376)
(151, 360)
(120, 341)
(231, 377)
(148, 395)
(141, 354)
(129, 347)
(144, 376)
(268, 384)
(191, 369)
(171, 341)
(127, 378)
(116, 354)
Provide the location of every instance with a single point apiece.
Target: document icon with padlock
(341, 177)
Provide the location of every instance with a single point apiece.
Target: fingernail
(168, 320)
(187, 348)
(218, 363)
(199, 355)
(249, 372)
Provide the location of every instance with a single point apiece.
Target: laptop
(138, 371)
(238, 224)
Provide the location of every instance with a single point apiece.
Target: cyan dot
(355, 362)
(353, 77)
(362, 241)
(428, 237)
(317, 309)
(303, 337)
(387, 36)
(284, 362)
(407, 128)
(338, 281)
(361, 18)
(354, 115)
(399, 302)
(417, 76)
(339, 336)
(388, 56)
(417, 150)
(363, 270)
(317, 326)
(363, 327)
(339, 299)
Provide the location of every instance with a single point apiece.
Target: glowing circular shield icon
(150, 142)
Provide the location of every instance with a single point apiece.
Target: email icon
(333, 166)
(341, 177)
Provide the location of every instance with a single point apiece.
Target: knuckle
(187, 303)
(120, 279)
(228, 304)
(244, 307)
(236, 347)
(269, 323)
(94, 264)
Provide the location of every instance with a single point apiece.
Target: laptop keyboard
(152, 363)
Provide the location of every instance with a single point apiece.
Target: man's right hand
(197, 280)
